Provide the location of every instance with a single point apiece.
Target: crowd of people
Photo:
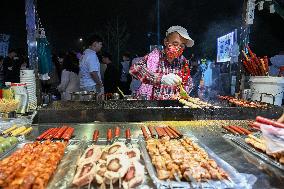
(157, 75)
(11, 65)
(93, 70)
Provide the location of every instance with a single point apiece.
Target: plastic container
(267, 89)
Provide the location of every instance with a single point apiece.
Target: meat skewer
(128, 137)
(168, 132)
(247, 132)
(173, 133)
(152, 132)
(40, 137)
(68, 133)
(145, 134)
(116, 134)
(51, 134)
(176, 131)
(159, 132)
(60, 132)
(237, 129)
(269, 122)
(109, 136)
(96, 135)
(230, 130)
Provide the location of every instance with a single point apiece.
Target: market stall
(236, 166)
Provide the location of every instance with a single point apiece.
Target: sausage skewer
(176, 131)
(151, 129)
(68, 133)
(40, 137)
(96, 135)
(237, 129)
(230, 130)
(145, 134)
(269, 122)
(247, 132)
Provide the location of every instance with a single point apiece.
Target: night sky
(68, 20)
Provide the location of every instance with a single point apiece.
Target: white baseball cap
(183, 32)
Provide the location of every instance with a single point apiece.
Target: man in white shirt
(90, 77)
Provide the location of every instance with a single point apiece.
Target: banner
(224, 47)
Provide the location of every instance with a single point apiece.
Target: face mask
(173, 52)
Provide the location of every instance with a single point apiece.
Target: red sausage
(60, 132)
(230, 130)
(40, 137)
(173, 133)
(68, 133)
(96, 135)
(50, 135)
(151, 129)
(176, 131)
(236, 129)
(247, 132)
(145, 134)
(269, 122)
(159, 132)
(127, 134)
(117, 132)
(109, 134)
(168, 132)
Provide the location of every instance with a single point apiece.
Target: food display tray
(66, 170)
(236, 179)
(240, 142)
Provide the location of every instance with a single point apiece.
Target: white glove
(171, 79)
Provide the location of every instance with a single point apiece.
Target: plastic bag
(274, 138)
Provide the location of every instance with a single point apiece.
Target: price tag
(21, 138)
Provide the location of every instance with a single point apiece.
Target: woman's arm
(281, 119)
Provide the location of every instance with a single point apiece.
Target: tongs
(120, 91)
(183, 92)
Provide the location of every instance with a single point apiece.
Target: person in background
(103, 67)
(70, 80)
(1, 70)
(90, 76)
(276, 62)
(162, 72)
(125, 77)
(111, 74)
(11, 67)
(135, 83)
(196, 73)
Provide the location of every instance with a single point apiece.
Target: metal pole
(30, 8)
(158, 22)
(244, 39)
(31, 26)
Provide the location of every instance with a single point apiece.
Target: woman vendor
(162, 72)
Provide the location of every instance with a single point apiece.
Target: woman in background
(70, 81)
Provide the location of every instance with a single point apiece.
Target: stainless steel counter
(209, 133)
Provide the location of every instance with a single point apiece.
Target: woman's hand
(281, 119)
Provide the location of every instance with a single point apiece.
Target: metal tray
(9, 151)
(240, 142)
(237, 180)
(66, 170)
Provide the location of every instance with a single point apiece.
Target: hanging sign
(224, 47)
